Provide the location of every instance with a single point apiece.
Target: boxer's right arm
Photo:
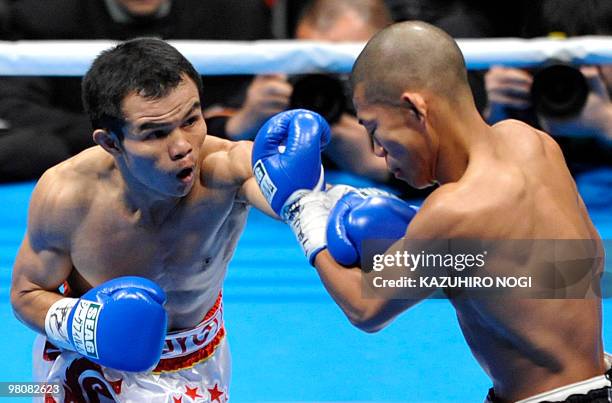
(434, 221)
(43, 261)
(120, 324)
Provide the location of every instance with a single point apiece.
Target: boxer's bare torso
(502, 183)
(517, 187)
(165, 202)
(506, 182)
(185, 249)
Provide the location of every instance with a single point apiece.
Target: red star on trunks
(116, 385)
(177, 399)
(215, 394)
(192, 392)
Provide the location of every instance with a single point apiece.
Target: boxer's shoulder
(452, 210)
(64, 193)
(213, 144)
(216, 147)
(512, 124)
(525, 141)
(225, 163)
(515, 130)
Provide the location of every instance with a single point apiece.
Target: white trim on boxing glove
(56, 322)
(306, 212)
(321, 183)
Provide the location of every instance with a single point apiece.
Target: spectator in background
(344, 21)
(509, 90)
(464, 19)
(44, 115)
(267, 95)
(460, 18)
(4, 14)
(358, 20)
(580, 18)
(321, 20)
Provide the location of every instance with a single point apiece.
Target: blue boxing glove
(357, 217)
(120, 324)
(281, 172)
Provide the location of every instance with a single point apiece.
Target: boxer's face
(399, 137)
(163, 138)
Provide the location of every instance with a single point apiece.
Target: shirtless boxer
(502, 182)
(138, 231)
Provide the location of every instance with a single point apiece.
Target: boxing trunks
(195, 366)
(594, 390)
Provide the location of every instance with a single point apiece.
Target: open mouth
(185, 174)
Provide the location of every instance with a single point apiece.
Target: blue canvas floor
(289, 341)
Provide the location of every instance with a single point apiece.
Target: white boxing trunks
(195, 366)
(597, 389)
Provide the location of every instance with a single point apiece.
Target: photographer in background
(41, 118)
(572, 103)
(340, 21)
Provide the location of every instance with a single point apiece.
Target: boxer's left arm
(303, 134)
(434, 221)
(239, 157)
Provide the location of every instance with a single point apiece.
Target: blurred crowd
(42, 120)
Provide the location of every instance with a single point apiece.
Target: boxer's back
(524, 191)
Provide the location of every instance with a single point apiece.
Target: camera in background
(559, 90)
(328, 95)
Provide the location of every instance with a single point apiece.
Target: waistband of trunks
(186, 348)
(598, 388)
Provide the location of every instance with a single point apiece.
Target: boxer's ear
(416, 104)
(107, 140)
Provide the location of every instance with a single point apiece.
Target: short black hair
(147, 66)
(411, 55)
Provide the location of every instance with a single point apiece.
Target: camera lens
(559, 90)
(321, 93)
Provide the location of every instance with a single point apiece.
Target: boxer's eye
(410, 106)
(156, 134)
(190, 122)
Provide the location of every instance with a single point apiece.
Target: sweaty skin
(125, 208)
(507, 181)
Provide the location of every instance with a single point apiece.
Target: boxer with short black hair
(139, 231)
(503, 182)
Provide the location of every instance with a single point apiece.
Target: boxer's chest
(190, 244)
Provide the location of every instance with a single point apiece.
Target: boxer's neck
(460, 135)
(148, 206)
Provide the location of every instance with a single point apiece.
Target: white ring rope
(72, 58)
